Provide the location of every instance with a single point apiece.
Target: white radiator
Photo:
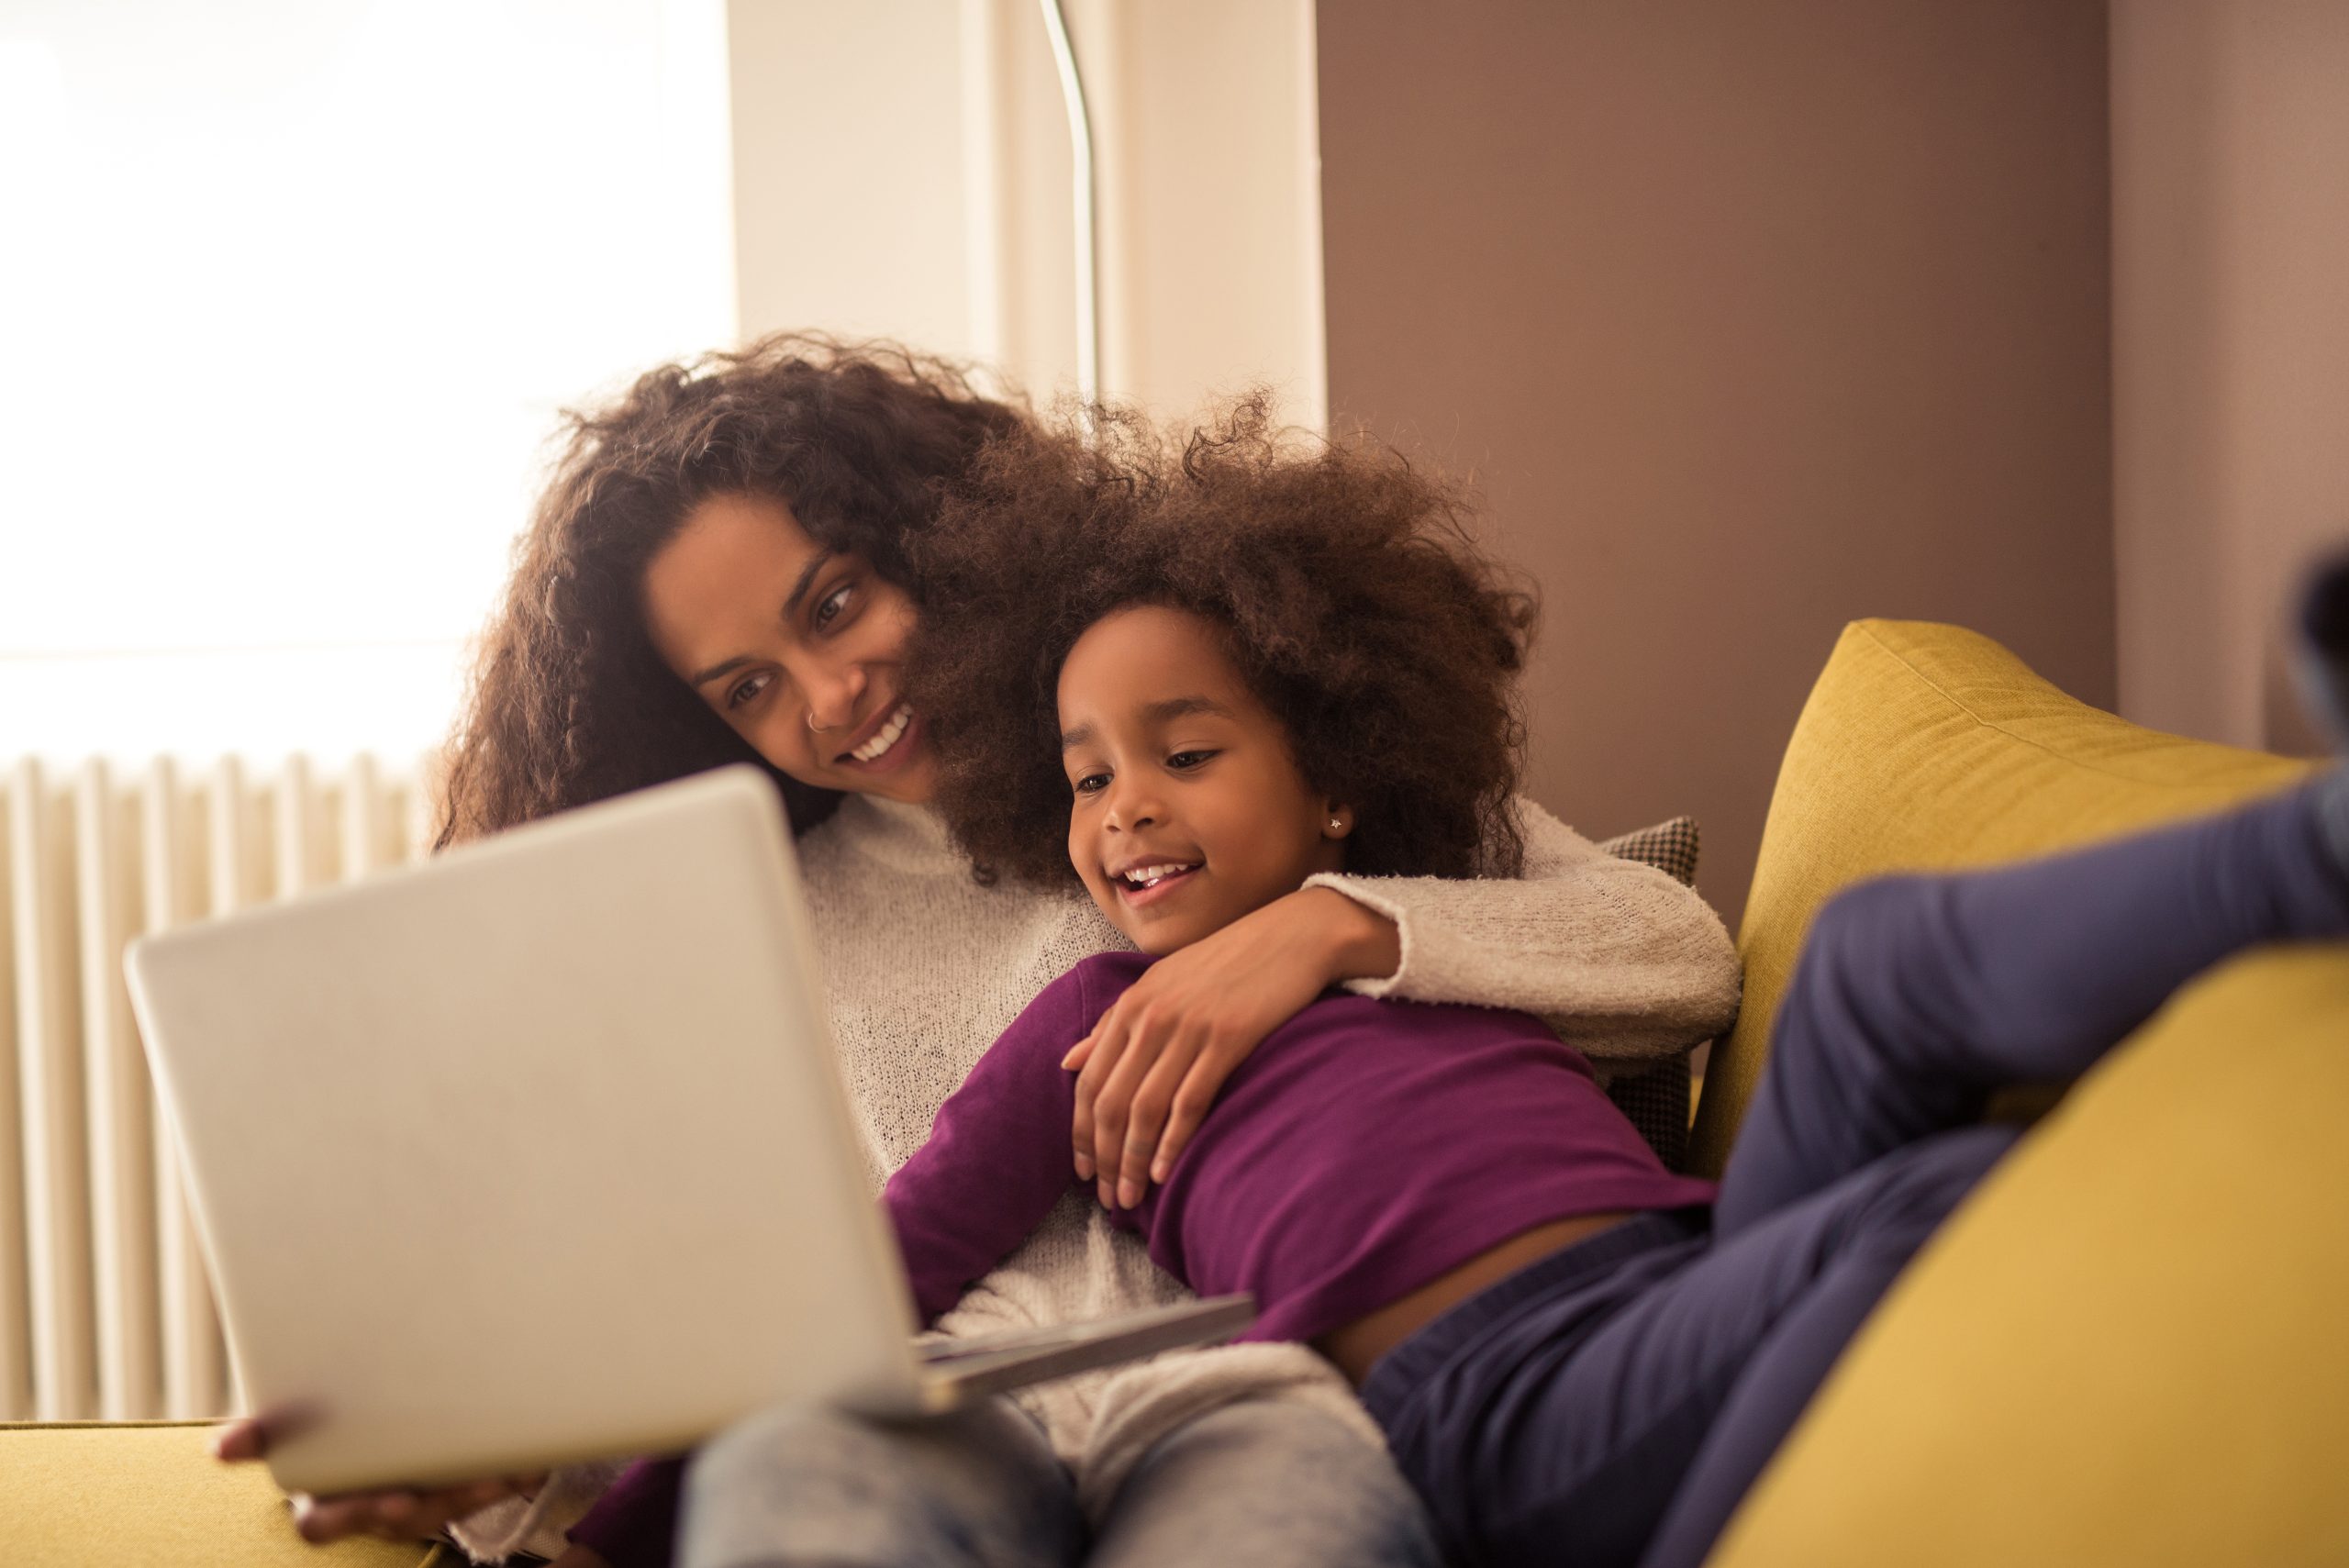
(106, 1312)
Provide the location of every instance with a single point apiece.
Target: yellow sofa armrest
(150, 1494)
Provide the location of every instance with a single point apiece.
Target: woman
(719, 571)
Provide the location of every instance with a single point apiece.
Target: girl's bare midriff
(1357, 1346)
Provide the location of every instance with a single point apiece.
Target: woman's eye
(1183, 762)
(832, 604)
(746, 689)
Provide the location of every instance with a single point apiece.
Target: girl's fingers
(1152, 1102)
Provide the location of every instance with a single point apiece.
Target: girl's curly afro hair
(1344, 586)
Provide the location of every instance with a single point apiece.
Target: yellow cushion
(1923, 747)
(2126, 1348)
(144, 1493)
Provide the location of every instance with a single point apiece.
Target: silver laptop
(538, 1151)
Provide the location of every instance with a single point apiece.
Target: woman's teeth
(872, 749)
(1151, 876)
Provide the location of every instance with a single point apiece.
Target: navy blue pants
(1611, 1403)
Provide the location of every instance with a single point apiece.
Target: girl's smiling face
(1187, 810)
(797, 647)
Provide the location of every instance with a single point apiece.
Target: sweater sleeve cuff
(1357, 889)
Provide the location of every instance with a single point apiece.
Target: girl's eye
(745, 689)
(1183, 762)
(832, 604)
(1092, 784)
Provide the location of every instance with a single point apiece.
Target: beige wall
(902, 168)
(1212, 251)
(848, 174)
(2231, 320)
(1749, 320)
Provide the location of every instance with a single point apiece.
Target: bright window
(290, 293)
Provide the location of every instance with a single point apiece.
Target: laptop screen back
(532, 1153)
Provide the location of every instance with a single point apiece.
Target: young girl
(723, 567)
(1236, 687)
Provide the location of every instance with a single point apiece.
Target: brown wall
(1749, 319)
(2230, 328)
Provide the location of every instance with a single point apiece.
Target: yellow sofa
(2125, 1350)
(2127, 1347)
(134, 1493)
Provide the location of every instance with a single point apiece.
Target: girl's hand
(399, 1513)
(1160, 1055)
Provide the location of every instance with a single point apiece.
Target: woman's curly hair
(569, 703)
(1343, 582)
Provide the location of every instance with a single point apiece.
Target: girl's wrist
(1356, 941)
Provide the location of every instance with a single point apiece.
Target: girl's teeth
(888, 736)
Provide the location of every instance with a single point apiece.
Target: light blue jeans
(1256, 1482)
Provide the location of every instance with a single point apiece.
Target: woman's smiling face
(797, 647)
(1186, 809)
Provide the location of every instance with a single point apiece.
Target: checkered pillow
(1670, 846)
(1656, 1099)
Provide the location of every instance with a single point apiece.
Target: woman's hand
(399, 1513)
(1159, 1056)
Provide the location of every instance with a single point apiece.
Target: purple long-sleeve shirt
(1363, 1150)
